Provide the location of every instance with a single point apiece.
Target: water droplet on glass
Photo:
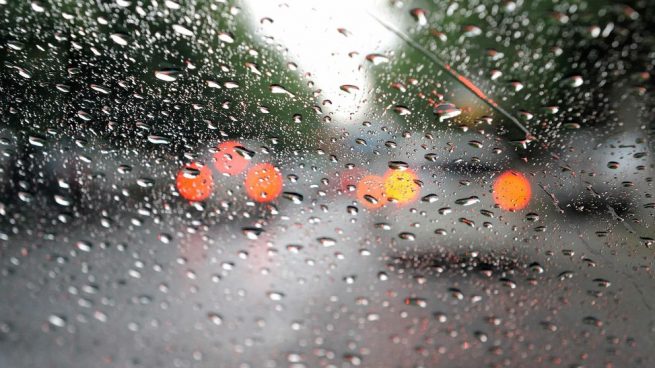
(420, 16)
(167, 74)
(446, 110)
(182, 30)
(120, 38)
(377, 59)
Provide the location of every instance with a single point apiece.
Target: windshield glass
(463, 183)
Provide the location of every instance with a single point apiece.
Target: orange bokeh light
(512, 191)
(370, 191)
(195, 182)
(227, 160)
(263, 183)
(400, 186)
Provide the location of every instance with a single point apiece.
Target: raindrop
(84, 246)
(445, 210)
(252, 232)
(37, 6)
(167, 74)
(398, 165)
(349, 88)
(476, 144)
(36, 141)
(120, 38)
(407, 236)
(430, 198)
(420, 16)
(468, 201)
(296, 198)
(472, 31)
(275, 295)
(15, 45)
(156, 139)
(613, 165)
(179, 29)
(402, 110)
(226, 37)
(215, 319)
(100, 88)
(575, 81)
(327, 242)
(57, 321)
(377, 59)
(446, 110)
(279, 90)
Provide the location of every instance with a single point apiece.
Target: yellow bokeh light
(400, 186)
